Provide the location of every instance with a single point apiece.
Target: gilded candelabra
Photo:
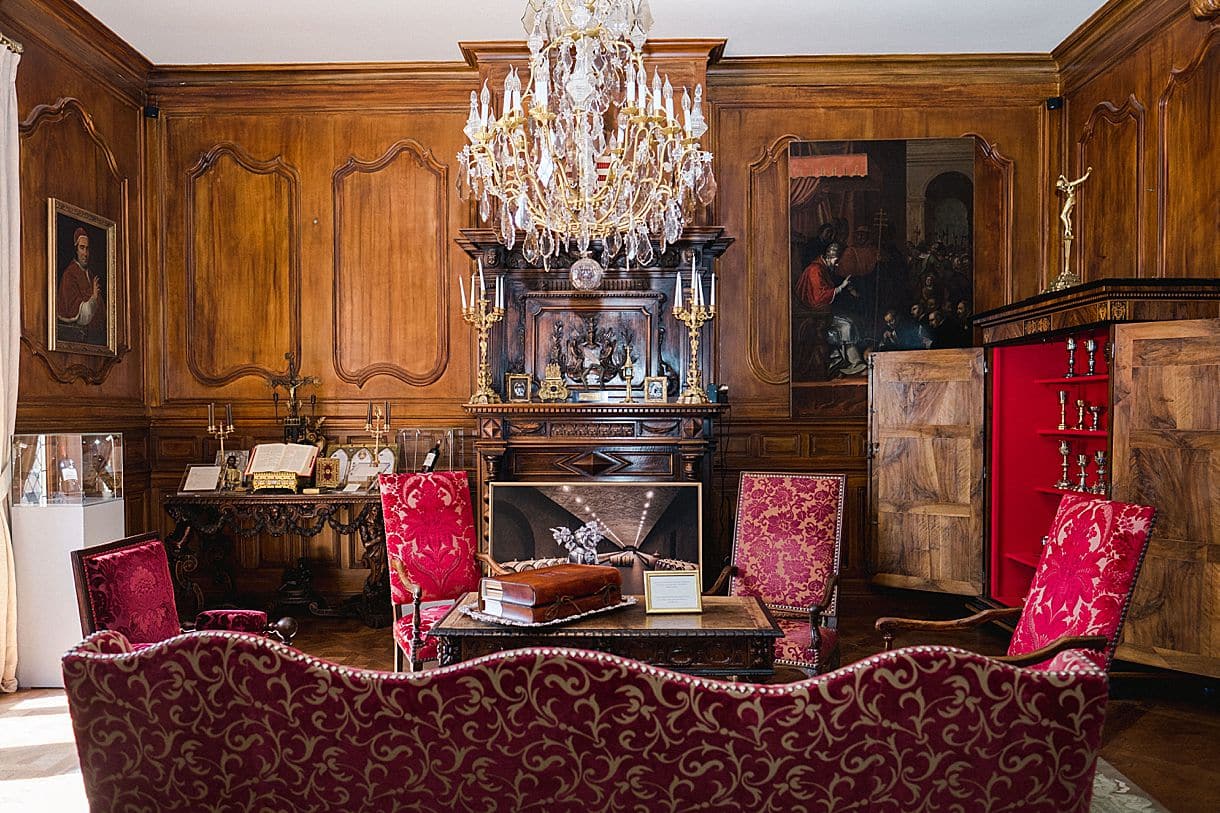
(481, 315)
(693, 316)
(223, 429)
(378, 423)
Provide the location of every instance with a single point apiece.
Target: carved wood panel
(242, 241)
(1188, 205)
(926, 434)
(1166, 451)
(1112, 143)
(391, 289)
(994, 193)
(65, 155)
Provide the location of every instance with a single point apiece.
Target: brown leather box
(546, 585)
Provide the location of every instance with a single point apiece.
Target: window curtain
(10, 336)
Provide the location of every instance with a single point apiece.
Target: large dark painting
(881, 255)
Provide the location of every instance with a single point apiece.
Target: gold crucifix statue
(1067, 278)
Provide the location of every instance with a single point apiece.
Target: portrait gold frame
(656, 379)
(56, 209)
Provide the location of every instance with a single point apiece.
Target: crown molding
(489, 51)
(887, 69)
(1113, 32)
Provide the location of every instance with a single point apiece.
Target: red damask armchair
(1081, 590)
(786, 546)
(431, 550)
(125, 586)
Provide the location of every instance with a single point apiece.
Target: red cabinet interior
(1025, 462)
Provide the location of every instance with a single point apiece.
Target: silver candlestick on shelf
(1071, 346)
(1063, 400)
(1064, 449)
(1095, 418)
(1082, 460)
(1090, 347)
(1080, 413)
(1100, 487)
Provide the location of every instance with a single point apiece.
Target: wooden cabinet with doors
(966, 465)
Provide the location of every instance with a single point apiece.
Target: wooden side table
(734, 636)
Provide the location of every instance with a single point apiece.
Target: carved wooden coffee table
(734, 636)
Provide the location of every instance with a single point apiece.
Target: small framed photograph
(672, 591)
(654, 389)
(201, 478)
(518, 388)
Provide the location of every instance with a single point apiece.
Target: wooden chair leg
(417, 638)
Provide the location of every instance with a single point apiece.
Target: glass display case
(66, 469)
(414, 444)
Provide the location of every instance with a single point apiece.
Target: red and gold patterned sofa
(230, 721)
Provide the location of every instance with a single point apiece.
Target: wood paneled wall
(312, 210)
(80, 92)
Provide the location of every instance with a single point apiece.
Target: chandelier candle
(587, 148)
(477, 313)
(693, 316)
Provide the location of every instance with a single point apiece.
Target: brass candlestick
(223, 429)
(1082, 460)
(1100, 487)
(1071, 346)
(481, 316)
(1090, 347)
(1064, 449)
(378, 423)
(1063, 399)
(1080, 414)
(628, 372)
(1095, 418)
(693, 316)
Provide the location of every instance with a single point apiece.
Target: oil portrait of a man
(81, 306)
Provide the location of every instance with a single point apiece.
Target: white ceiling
(180, 32)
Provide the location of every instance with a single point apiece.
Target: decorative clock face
(586, 274)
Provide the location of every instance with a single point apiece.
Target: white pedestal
(48, 621)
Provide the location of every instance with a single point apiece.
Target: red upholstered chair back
(429, 529)
(1086, 574)
(787, 538)
(125, 586)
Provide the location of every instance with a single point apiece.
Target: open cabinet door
(1166, 429)
(926, 469)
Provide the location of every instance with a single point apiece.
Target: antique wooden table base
(215, 516)
(733, 637)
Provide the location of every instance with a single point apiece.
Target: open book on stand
(297, 458)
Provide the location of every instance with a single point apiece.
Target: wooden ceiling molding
(1189, 163)
(227, 339)
(394, 261)
(1115, 227)
(1112, 34)
(70, 113)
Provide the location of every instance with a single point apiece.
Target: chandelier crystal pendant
(590, 147)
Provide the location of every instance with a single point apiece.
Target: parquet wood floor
(1161, 731)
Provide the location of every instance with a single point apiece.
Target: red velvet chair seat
(233, 620)
(404, 629)
(796, 647)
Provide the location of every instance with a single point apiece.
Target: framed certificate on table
(672, 591)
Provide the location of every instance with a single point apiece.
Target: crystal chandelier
(590, 148)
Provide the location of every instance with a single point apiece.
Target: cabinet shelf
(1076, 379)
(1074, 433)
(1023, 559)
(1059, 492)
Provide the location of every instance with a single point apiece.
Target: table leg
(183, 563)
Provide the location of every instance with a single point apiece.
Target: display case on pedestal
(67, 494)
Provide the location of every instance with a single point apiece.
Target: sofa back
(225, 719)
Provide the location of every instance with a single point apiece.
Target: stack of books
(550, 593)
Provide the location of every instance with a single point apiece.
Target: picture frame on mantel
(82, 289)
